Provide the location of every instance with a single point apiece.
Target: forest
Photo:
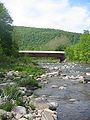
(76, 45)
(29, 38)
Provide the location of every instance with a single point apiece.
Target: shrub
(19, 101)
(80, 51)
(27, 82)
(8, 106)
(11, 91)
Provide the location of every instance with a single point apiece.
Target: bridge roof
(61, 52)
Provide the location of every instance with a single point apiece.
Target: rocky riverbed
(64, 95)
(17, 101)
(65, 87)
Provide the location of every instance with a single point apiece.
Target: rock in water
(62, 87)
(54, 86)
(53, 105)
(72, 100)
(87, 78)
(88, 74)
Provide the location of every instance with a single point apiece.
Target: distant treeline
(29, 38)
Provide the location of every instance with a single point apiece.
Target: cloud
(57, 14)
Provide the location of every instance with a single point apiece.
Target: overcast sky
(68, 15)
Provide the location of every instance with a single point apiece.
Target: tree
(85, 45)
(6, 29)
(80, 51)
(86, 32)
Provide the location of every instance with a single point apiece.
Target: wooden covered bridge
(57, 54)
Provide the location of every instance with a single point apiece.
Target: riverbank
(18, 80)
(54, 94)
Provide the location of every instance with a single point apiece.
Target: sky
(68, 15)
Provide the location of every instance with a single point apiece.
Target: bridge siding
(57, 54)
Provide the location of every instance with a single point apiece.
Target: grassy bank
(27, 72)
(22, 64)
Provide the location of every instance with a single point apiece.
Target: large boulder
(19, 109)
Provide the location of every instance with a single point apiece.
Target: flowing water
(72, 96)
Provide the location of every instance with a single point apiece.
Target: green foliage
(7, 106)
(13, 97)
(29, 69)
(1, 51)
(27, 82)
(11, 91)
(6, 28)
(21, 64)
(80, 51)
(19, 101)
(62, 43)
(43, 39)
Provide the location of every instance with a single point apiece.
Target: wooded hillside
(43, 39)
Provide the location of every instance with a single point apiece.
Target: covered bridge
(57, 54)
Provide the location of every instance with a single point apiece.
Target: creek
(73, 97)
